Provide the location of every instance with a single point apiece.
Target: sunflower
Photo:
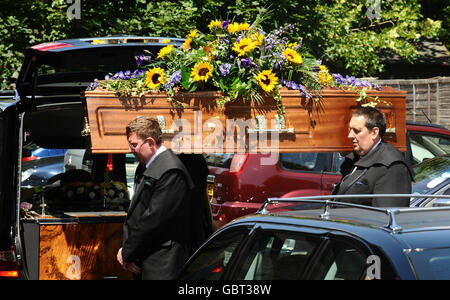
(267, 80)
(164, 51)
(215, 23)
(324, 76)
(244, 26)
(154, 78)
(292, 56)
(193, 33)
(244, 46)
(187, 43)
(257, 38)
(233, 27)
(202, 71)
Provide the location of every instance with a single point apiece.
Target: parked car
(32, 152)
(343, 241)
(240, 183)
(432, 178)
(37, 172)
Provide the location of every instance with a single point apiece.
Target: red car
(240, 183)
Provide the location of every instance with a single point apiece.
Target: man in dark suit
(374, 166)
(158, 230)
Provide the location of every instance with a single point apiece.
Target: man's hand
(119, 257)
(129, 266)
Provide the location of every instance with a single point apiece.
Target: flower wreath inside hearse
(74, 191)
(240, 60)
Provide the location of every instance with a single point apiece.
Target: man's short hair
(374, 118)
(145, 127)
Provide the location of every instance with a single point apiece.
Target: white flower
(92, 195)
(111, 193)
(80, 190)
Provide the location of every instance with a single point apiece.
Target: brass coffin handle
(162, 124)
(261, 124)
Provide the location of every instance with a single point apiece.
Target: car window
(131, 164)
(277, 255)
(212, 260)
(430, 174)
(221, 160)
(341, 261)
(425, 146)
(338, 160)
(302, 161)
(431, 264)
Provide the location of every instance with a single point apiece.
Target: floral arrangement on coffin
(238, 59)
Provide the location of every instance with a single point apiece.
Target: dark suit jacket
(157, 231)
(200, 209)
(383, 171)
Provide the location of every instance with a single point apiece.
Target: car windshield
(431, 173)
(425, 146)
(432, 263)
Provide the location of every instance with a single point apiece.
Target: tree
(348, 35)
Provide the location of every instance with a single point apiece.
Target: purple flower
(247, 62)
(352, 81)
(141, 59)
(225, 69)
(174, 79)
(118, 75)
(296, 86)
(224, 24)
(92, 87)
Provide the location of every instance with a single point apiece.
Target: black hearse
(69, 228)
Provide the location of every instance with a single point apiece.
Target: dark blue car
(37, 172)
(339, 242)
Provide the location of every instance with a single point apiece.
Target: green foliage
(349, 37)
(338, 31)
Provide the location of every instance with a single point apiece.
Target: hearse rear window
(76, 181)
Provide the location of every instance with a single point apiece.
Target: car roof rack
(391, 212)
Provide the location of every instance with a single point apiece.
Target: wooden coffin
(58, 249)
(200, 127)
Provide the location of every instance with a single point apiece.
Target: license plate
(210, 188)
